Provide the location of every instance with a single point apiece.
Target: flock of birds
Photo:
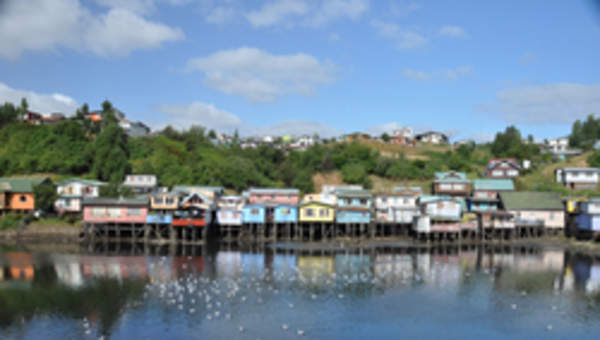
(222, 297)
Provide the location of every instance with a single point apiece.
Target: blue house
(485, 193)
(253, 214)
(157, 218)
(284, 214)
(588, 220)
(353, 206)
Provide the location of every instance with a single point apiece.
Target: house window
(134, 212)
(254, 211)
(285, 211)
(114, 212)
(323, 212)
(384, 200)
(445, 186)
(169, 200)
(363, 201)
(23, 198)
(98, 212)
(310, 212)
(459, 187)
(347, 201)
(551, 215)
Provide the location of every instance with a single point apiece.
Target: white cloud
(275, 12)
(449, 74)
(46, 25)
(183, 116)
(336, 9)
(220, 15)
(197, 113)
(552, 103)
(42, 103)
(453, 31)
(403, 39)
(119, 32)
(306, 13)
(403, 8)
(260, 76)
(143, 7)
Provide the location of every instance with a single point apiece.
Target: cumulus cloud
(551, 103)
(449, 74)
(453, 31)
(183, 116)
(306, 13)
(260, 76)
(220, 15)
(199, 113)
(403, 38)
(46, 25)
(42, 103)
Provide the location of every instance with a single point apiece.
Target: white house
(432, 137)
(398, 207)
(230, 210)
(328, 192)
(141, 183)
(406, 132)
(557, 145)
(578, 178)
(72, 192)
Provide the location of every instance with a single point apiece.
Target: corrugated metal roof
(529, 200)
(115, 201)
(494, 184)
(20, 184)
(353, 193)
(285, 191)
(189, 188)
(81, 180)
(451, 177)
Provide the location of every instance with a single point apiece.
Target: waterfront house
(211, 192)
(578, 178)
(353, 206)
(72, 192)
(432, 137)
(162, 206)
(499, 168)
(534, 208)
(451, 183)
(141, 183)
(397, 207)
(588, 219)
(230, 210)
(16, 194)
(115, 210)
(494, 220)
(195, 210)
(328, 192)
(485, 193)
(273, 196)
(253, 214)
(439, 214)
(315, 211)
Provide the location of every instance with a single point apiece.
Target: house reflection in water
(19, 266)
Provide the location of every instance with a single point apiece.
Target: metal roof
(494, 184)
(285, 191)
(530, 200)
(81, 180)
(451, 177)
(115, 201)
(353, 193)
(20, 184)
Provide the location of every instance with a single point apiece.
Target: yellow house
(317, 212)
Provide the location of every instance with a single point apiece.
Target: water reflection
(243, 294)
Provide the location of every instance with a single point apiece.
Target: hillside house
(328, 192)
(451, 183)
(578, 178)
(353, 206)
(72, 192)
(141, 183)
(115, 210)
(134, 129)
(432, 137)
(534, 208)
(485, 193)
(16, 194)
(588, 219)
(211, 192)
(499, 168)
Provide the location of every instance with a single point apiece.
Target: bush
(10, 221)
(355, 173)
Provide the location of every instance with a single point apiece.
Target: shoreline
(71, 235)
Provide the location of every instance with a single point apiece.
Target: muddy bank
(41, 234)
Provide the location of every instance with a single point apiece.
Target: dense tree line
(80, 147)
(585, 134)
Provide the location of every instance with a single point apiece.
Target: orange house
(16, 194)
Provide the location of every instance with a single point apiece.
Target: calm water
(361, 294)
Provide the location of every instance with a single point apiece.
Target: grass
(55, 222)
(10, 221)
(417, 152)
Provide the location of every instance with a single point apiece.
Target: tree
(45, 196)
(8, 114)
(114, 190)
(24, 108)
(594, 159)
(385, 137)
(355, 173)
(212, 134)
(110, 154)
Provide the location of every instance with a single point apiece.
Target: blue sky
(468, 68)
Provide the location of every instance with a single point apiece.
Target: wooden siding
(21, 201)
(115, 214)
(317, 212)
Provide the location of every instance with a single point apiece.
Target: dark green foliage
(355, 173)
(115, 189)
(385, 137)
(510, 144)
(585, 134)
(10, 221)
(110, 157)
(594, 159)
(8, 114)
(45, 195)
